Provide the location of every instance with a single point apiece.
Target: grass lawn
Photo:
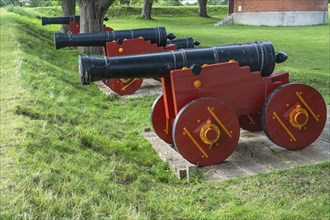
(68, 151)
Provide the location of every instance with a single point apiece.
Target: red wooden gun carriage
(209, 93)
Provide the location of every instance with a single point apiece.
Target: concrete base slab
(254, 154)
(181, 167)
(149, 87)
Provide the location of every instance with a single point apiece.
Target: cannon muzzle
(259, 56)
(184, 43)
(197, 43)
(62, 20)
(155, 35)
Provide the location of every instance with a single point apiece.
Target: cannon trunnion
(206, 98)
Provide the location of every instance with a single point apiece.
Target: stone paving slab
(254, 154)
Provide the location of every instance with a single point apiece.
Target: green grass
(70, 152)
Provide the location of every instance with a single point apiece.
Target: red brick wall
(280, 5)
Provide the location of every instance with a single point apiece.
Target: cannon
(184, 43)
(126, 42)
(72, 21)
(209, 93)
(60, 20)
(259, 56)
(155, 35)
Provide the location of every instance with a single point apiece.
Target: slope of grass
(68, 151)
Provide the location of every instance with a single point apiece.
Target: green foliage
(139, 3)
(56, 2)
(28, 3)
(34, 3)
(165, 11)
(49, 11)
(135, 11)
(21, 11)
(168, 3)
(70, 152)
(10, 2)
(217, 2)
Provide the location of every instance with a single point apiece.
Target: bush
(21, 11)
(165, 11)
(51, 11)
(135, 11)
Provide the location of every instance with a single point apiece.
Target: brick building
(279, 12)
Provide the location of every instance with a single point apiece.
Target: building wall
(280, 12)
(241, 6)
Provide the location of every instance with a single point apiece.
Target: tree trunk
(231, 7)
(91, 20)
(146, 10)
(202, 8)
(68, 9)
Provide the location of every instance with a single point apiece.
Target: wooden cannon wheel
(206, 131)
(160, 123)
(251, 122)
(124, 86)
(294, 116)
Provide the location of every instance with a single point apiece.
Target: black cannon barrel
(155, 35)
(260, 56)
(184, 43)
(61, 20)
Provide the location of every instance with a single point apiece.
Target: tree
(68, 9)
(34, 3)
(10, 2)
(91, 19)
(30, 3)
(202, 8)
(146, 10)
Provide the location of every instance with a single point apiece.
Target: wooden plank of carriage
(254, 154)
(148, 87)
